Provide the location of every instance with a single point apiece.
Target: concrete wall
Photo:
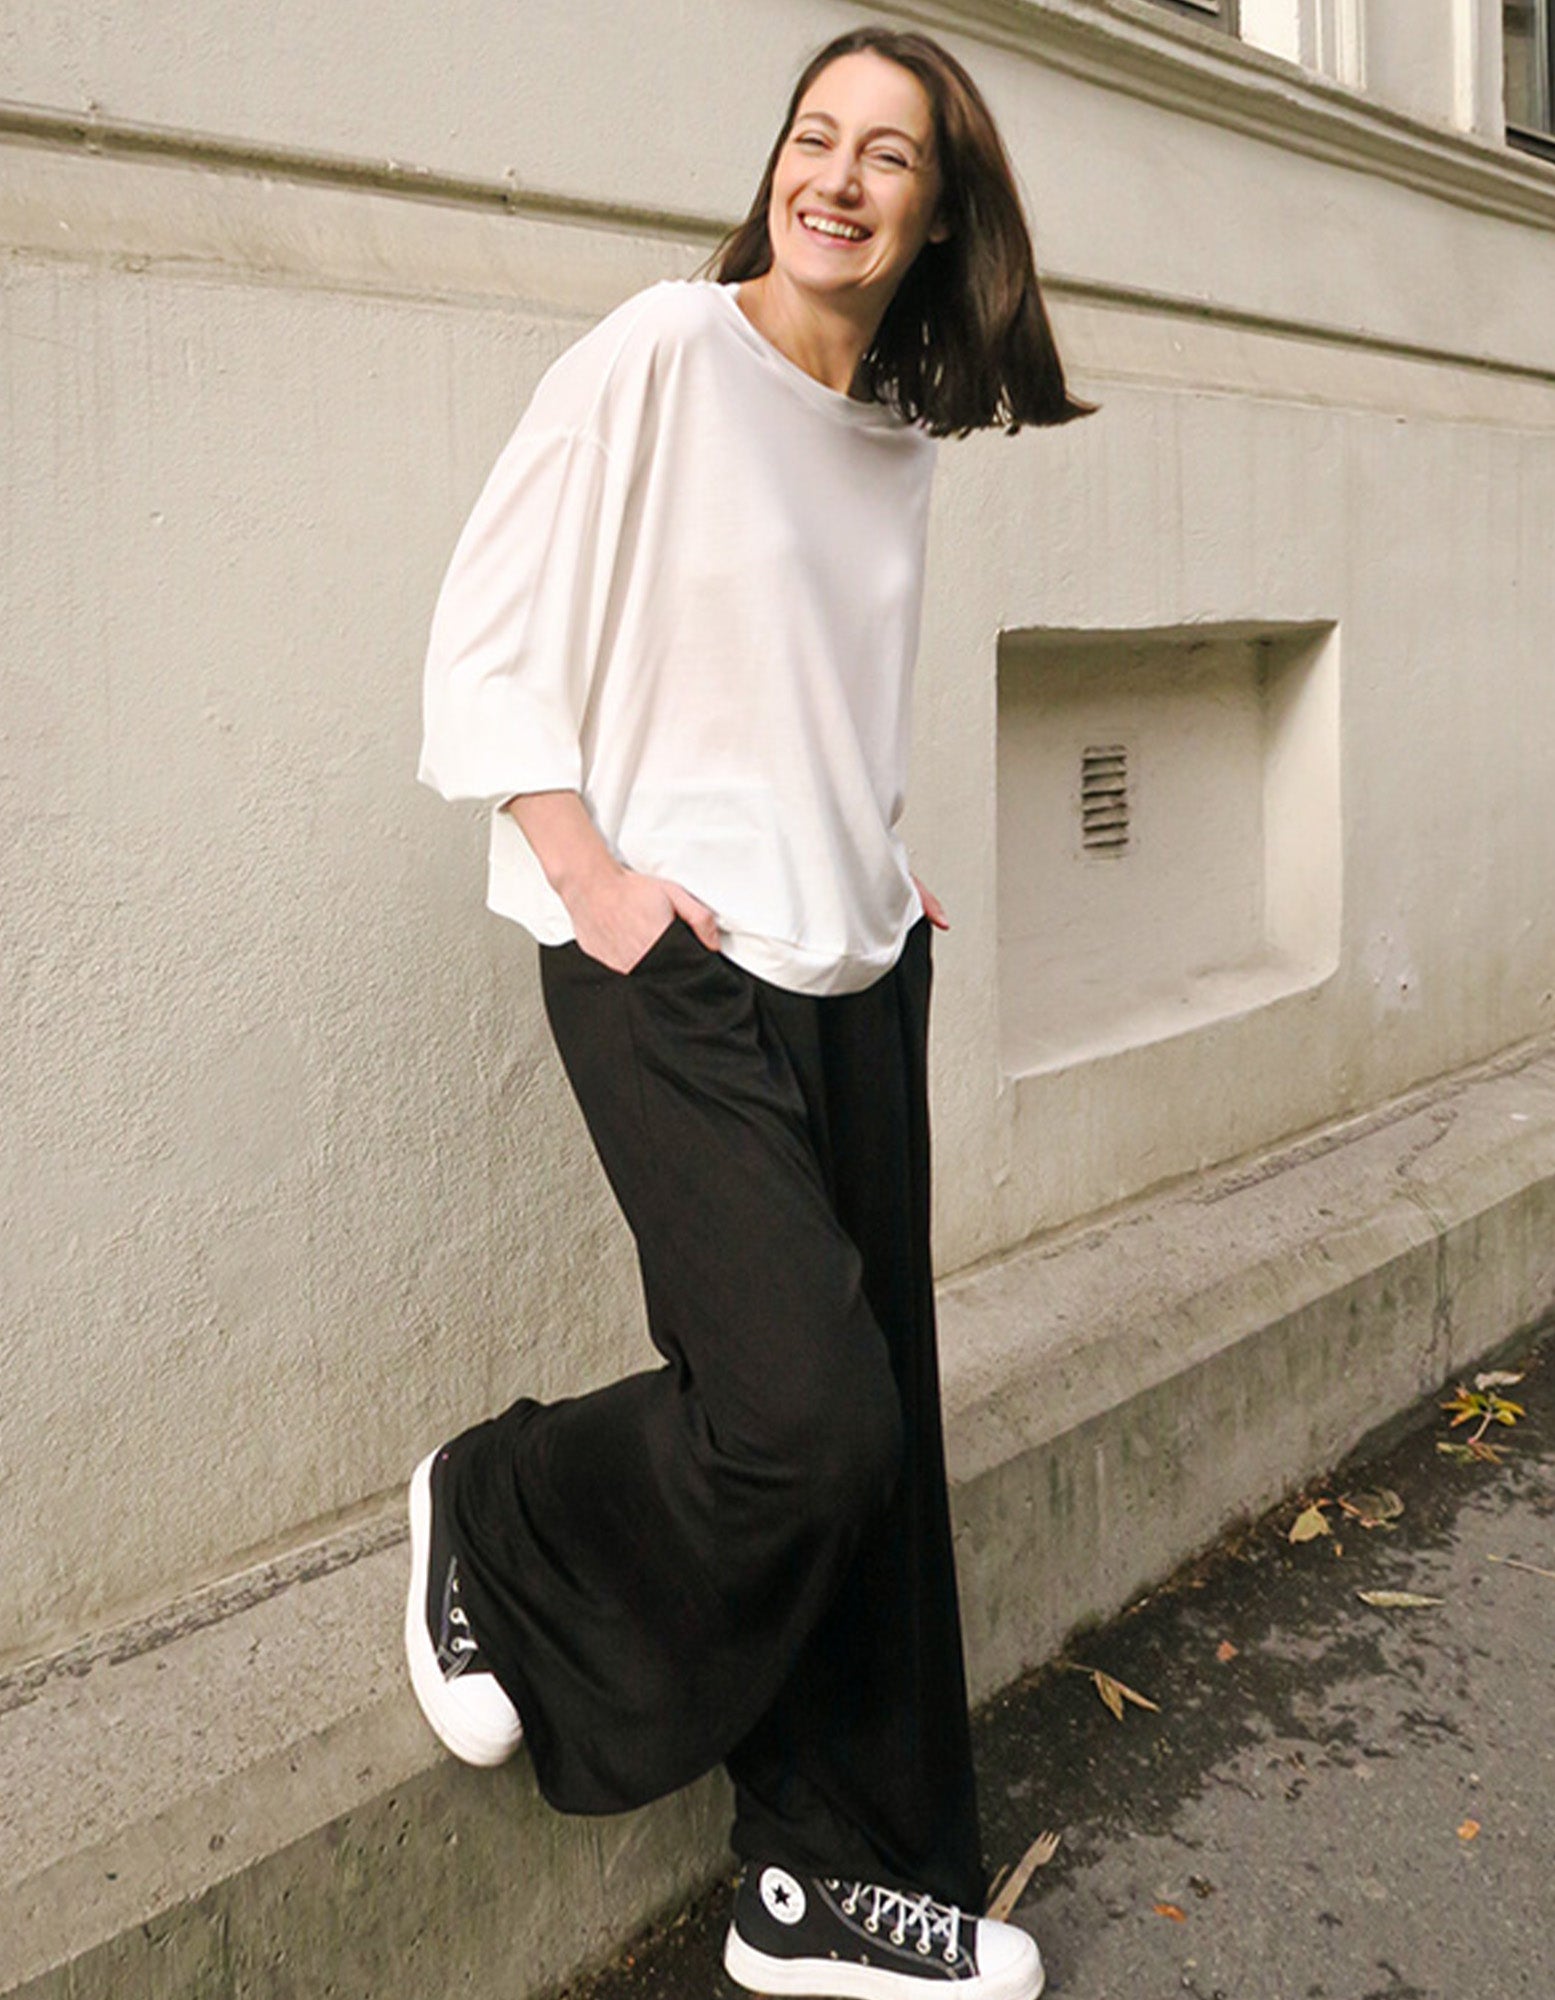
(293, 1183)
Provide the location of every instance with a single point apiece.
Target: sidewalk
(1336, 1801)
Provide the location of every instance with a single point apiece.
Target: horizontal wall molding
(122, 139)
(175, 219)
(1141, 299)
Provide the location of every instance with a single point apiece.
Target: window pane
(1526, 28)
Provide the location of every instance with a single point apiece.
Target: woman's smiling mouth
(834, 227)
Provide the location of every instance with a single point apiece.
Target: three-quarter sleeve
(516, 627)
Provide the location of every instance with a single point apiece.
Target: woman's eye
(810, 140)
(890, 159)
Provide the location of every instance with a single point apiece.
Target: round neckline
(834, 401)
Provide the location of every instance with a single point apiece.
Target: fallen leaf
(1396, 1600)
(1496, 1378)
(1114, 1694)
(1482, 1403)
(1225, 1651)
(1310, 1523)
(1469, 1829)
(1170, 1910)
(1373, 1509)
(1512, 1562)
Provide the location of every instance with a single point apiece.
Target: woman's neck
(823, 340)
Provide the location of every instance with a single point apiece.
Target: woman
(674, 649)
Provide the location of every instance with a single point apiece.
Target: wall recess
(1168, 826)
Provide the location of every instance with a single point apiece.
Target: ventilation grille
(1104, 799)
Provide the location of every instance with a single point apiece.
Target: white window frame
(1328, 36)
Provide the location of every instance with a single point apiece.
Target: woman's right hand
(618, 916)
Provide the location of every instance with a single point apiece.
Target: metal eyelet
(872, 1925)
(923, 1947)
(898, 1937)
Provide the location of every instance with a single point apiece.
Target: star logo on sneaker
(781, 1896)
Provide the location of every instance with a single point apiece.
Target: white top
(690, 591)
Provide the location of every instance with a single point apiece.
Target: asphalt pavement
(1332, 1799)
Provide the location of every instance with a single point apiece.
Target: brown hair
(965, 343)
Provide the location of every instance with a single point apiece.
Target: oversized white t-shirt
(690, 591)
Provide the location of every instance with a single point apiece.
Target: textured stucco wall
(293, 1184)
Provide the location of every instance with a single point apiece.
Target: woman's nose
(841, 180)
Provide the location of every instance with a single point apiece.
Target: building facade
(1235, 719)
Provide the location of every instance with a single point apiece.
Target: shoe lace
(930, 1922)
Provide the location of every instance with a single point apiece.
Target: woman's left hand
(933, 908)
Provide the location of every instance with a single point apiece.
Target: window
(1215, 13)
(1529, 37)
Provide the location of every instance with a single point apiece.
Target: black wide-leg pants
(743, 1556)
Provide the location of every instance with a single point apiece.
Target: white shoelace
(930, 1921)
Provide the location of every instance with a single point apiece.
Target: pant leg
(643, 1564)
(746, 1553)
(862, 1765)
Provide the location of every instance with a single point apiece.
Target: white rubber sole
(452, 1709)
(822, 1978)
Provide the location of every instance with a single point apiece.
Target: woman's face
(856, 189)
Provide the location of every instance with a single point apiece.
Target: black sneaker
(458, 1692)
(808, 1934)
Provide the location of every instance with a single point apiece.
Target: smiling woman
(889, 149)
(674, 649)
(855, 197)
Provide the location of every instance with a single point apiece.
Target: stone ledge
(1119, 1393)
(249, 1805)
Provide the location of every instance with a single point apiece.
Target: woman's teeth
(823, 226)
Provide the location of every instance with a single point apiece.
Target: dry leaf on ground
(1476, 1447)
(1170, 1910)
(1397, 1600)
(1310, 1523)
(1375, 1509)
(1484, 1404)
(1511, 1562)
(1114, 1694)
